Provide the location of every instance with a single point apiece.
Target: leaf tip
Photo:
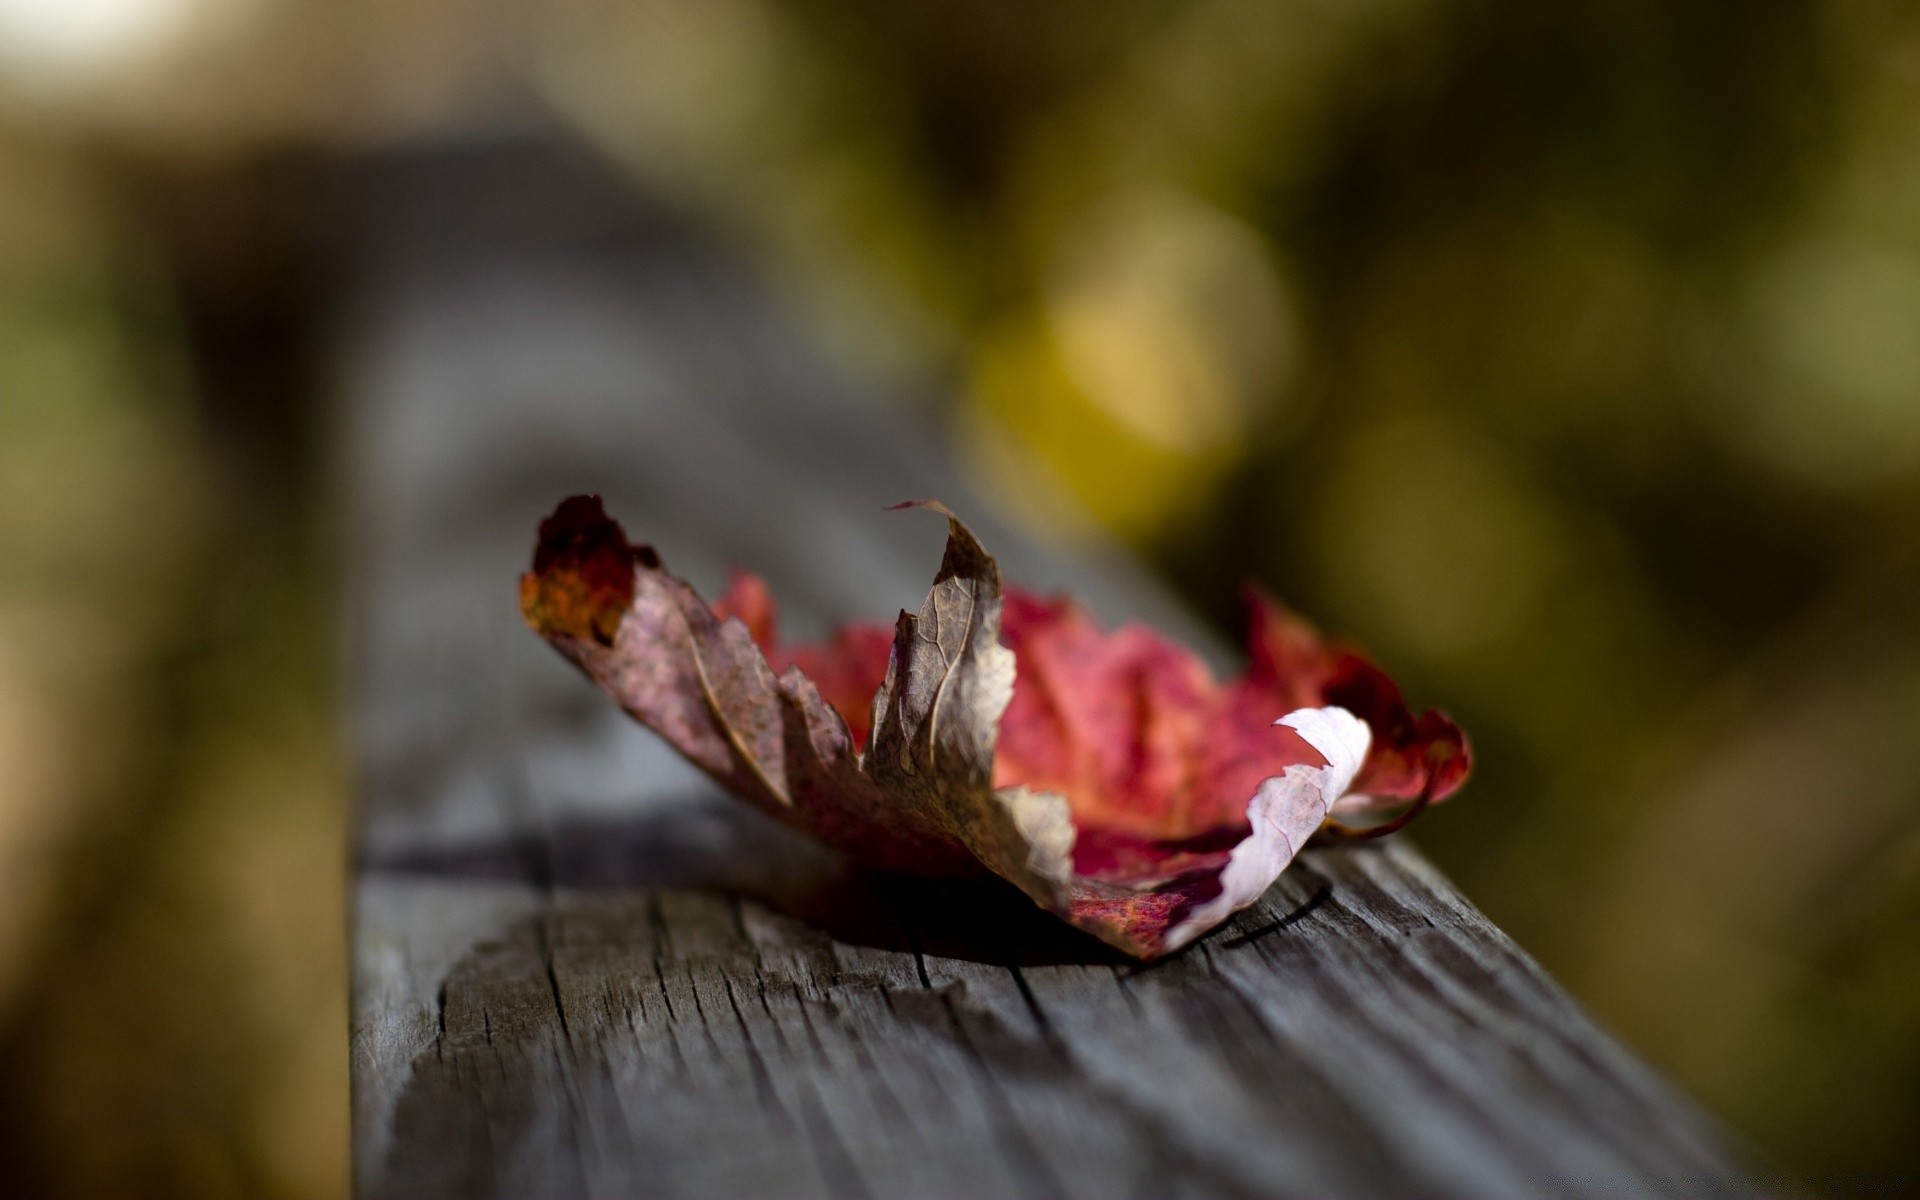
(928, 503)
(581, 584)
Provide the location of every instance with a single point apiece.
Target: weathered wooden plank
(578, 972)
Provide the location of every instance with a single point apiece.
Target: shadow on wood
(733, 850)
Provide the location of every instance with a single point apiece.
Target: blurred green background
(1566, 354)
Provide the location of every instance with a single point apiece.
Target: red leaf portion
(748, 598)
(1132, 729)
(1130, 726)
(1288, 660)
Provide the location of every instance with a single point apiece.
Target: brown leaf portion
(695, 680)
(936, 720)
(698, 679)
(948, 679)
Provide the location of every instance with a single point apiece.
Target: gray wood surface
(579, 972)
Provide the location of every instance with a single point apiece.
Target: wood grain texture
(579, 972)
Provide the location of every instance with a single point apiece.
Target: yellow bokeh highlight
(1163, 333)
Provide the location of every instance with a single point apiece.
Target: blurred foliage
(1568, 355)
(171, 951)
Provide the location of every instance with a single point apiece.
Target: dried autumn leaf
(1106, 775)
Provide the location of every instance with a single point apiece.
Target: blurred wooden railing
(580, 972)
